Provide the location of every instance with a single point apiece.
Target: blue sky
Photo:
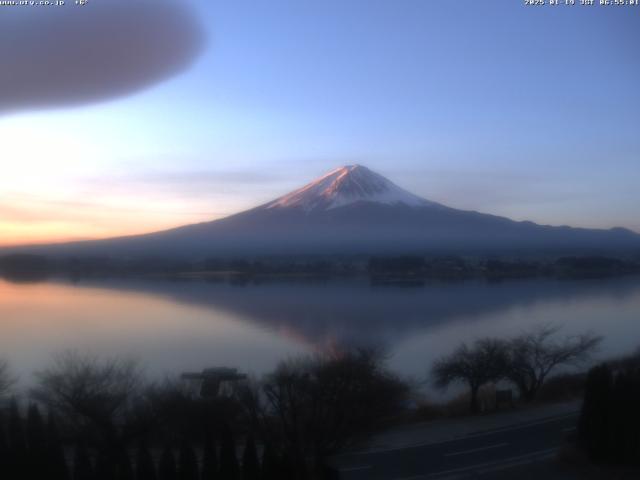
(528, 112)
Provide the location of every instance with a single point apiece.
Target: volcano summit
(351, 210)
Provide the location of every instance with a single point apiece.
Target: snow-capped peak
(347, 185)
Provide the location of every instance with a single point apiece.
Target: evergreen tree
(4, 447)
(270, 463)
(634, 419)
(124, 468)
(56, 463)
(82, 467)
(229, 469)
(187, 463)
(250, 464)
(145, 469)
(167, 467)
(286, 468)
(593, 426)
(36, 435)
(624, 424)
(105, 466)
(36, 443)
(609, 428)
(18, 461)
(209, 460)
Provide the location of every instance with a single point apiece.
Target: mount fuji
(345, 186)
(350, 210)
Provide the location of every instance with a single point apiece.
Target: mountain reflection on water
(187, 324)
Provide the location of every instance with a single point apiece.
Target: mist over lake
(174, 326)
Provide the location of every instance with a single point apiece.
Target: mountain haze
(350, 210)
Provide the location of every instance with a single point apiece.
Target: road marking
(488, 466)
(525, 424)
(464, 437)
(569, 429)
(354, 469)
(473, 450)
(522, 460)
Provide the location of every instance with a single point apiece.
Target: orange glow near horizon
(31, 233)
(65, 186)
(16, 233)
(52, 217)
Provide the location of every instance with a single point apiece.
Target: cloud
(243, 185)
(205, 178)
(26, 218)
(65, 56)
(35, 209)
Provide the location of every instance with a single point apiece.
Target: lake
(174, 326)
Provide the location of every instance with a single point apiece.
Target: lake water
(173, 326)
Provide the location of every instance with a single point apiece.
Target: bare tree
(172, 407)
(536, 353)
(90, 392)
(6, 380)
(485, 361)
(315, 406)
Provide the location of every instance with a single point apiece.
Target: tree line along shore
(94, 418)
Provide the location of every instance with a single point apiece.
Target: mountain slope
(351, 210)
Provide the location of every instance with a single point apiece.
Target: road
(474, 455)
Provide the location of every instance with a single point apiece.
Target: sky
(122, 117)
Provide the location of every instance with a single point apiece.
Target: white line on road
(521, 460)
(488, 466)
(473, 450)
(520, 426)
(463, 437)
